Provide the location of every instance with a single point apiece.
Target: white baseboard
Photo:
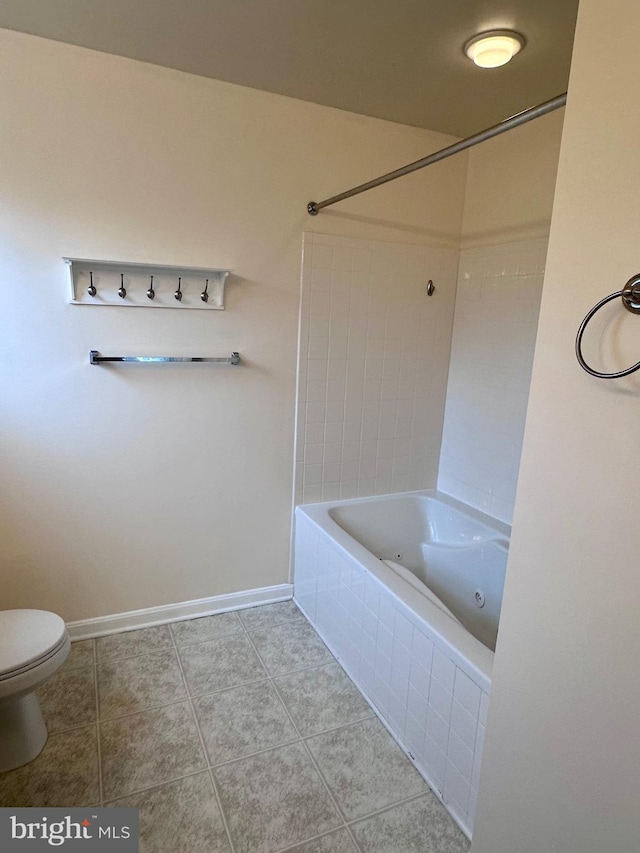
(150, 616)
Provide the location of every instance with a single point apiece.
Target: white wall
(124, 487)
(373, 362)
(562, 755)
(508, 202)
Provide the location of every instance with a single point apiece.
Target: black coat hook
(178, 293)
(91, 290)
(151, 292)
(204, 295)
(121, 290)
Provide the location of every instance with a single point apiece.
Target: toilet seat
(4, 676)
(28, 638)
(33, 646)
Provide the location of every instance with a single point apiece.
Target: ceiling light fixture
(494, 48)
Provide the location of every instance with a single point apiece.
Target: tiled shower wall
(373, 361)
(494, 331)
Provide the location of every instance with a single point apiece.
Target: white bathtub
(360, 570)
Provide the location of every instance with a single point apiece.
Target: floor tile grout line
(390, 806)
(288, 672)
(315, 765)
(197, 696)
(311, 666)
(203, 747)
(208, 639)
(257, 628)
(134, 793)
(297, 844)
(66, 671)
(174, 643)
(231, 613)
(333, 729)
(109, 661)
(188, 696)
(324, 782)
(255, 651)
(297, 739)
(227, 689)
(347, 823)
(333, 799)
(65, 666)
(377, 715)
(253, 754)
(90, 725)
(350, 823)
(97, 698)
(144, 710)
(67, 730)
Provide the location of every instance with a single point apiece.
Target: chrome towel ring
(630, 295)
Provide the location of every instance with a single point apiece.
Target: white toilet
(33, 646)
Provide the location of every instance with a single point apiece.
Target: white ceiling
(395, 59)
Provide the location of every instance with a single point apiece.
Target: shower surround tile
(372, 368)
(494, 332)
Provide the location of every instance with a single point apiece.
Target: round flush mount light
(494, 48)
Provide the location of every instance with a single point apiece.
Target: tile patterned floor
(234, 733)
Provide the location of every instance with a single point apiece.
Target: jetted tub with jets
(406, 591)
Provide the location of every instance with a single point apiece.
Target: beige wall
(124, 488)
(562, 756)
(510, 183)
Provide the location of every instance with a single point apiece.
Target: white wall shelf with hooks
(145, 285)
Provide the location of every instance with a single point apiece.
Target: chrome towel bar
(96, 358)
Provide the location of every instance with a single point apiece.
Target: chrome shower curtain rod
(314, 207)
